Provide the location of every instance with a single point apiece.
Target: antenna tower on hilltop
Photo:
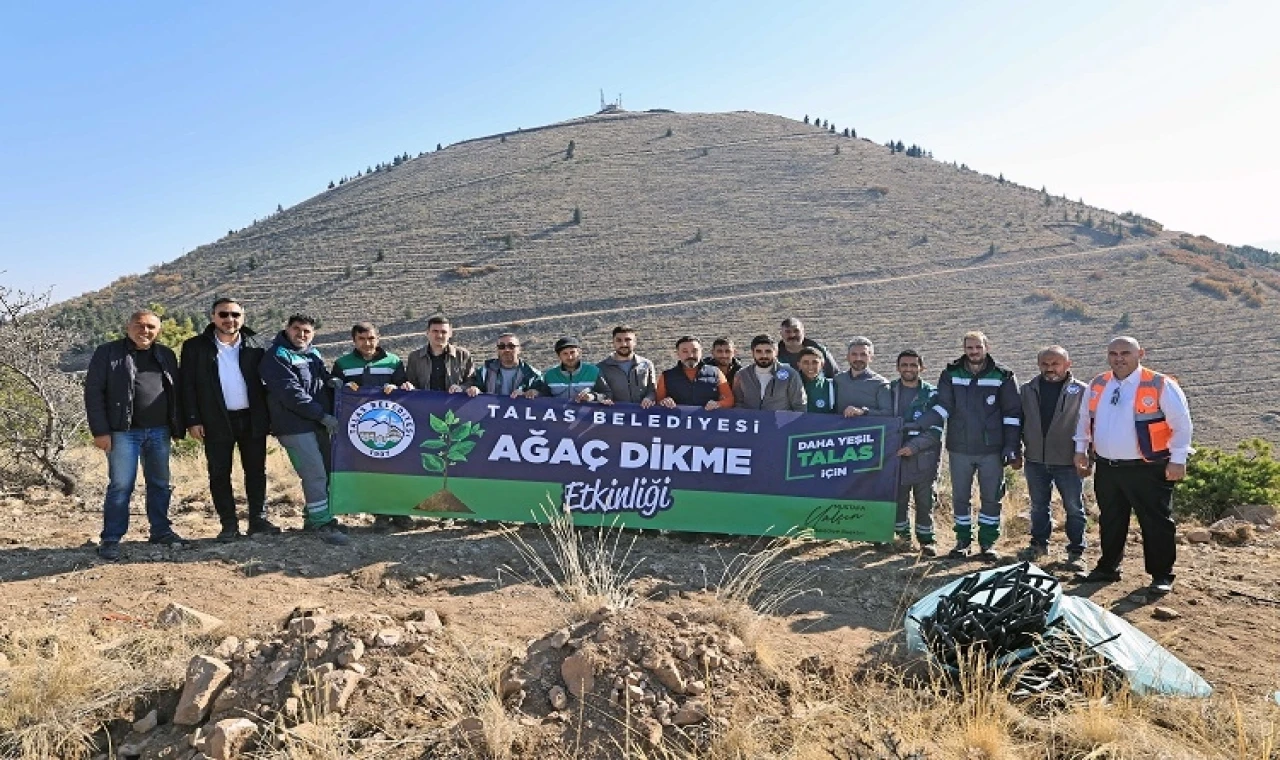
(607, 107)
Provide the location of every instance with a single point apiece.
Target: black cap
(567, 342)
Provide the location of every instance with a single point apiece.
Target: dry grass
(754, 586)
(588, 568)
(66, 681)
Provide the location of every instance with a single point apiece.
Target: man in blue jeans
(131, 400)
(1050, 410)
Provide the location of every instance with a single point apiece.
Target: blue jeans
(1041, 479)
(151, 445)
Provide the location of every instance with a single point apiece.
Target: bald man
(1135, 425)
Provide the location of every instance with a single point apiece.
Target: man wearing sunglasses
(226, 408)
(1136, 424)
(506, 375)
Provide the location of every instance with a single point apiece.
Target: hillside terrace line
(766, 293)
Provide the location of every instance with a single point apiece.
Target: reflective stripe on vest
(1149, 421)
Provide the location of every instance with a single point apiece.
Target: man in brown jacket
(440, 365)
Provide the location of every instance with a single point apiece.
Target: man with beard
(768, 385)
(440, 365)
(1050, 412)
(921, 452)
(860, 391)
(1136, 423)
(226, 409)
(819, 390)
(506, 375)
(571, 379)
(631, 378)
(300, 400)
(793, 339)
(979, 401)
(691, 382)
(724, 357)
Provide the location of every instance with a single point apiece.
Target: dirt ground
(1227, 598)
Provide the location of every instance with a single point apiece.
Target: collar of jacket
(449, 350)
(989, 364)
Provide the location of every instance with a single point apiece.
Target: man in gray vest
(1050, 411)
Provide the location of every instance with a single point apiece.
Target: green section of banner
(524, 501)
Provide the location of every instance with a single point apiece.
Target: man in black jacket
(131, 400)
(226, 408)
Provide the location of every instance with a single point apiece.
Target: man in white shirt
(1136, 425)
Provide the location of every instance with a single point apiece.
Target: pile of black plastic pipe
(1064, 670)
(1005, 612)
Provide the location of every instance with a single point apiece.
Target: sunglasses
(504, 346)
(1115, 397)
(229, 315)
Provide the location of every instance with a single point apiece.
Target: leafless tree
(41, 407)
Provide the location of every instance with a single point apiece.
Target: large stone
(578, 672)
(311, 625)
(1165, 613)
(351, 654)
(387, 638)
(205, 678)
(1199, 536)
(669, 676)
(1259, 514)
(558, 699)
(279, 671)
(178, 616)
(147, 722)
(691, 712)
(229, 737)
(338, 688)
(426, 620)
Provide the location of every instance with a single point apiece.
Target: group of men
(231, 389)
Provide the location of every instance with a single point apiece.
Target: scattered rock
(229, 737)
(1231, 531)
(205, 677)
(227, 648)
(178, 616)
(692, 712)
(1165, 613)
(651, 730)
(387, 638)
(471, 728)
(351, 653)
(310, 625)
(147, 722)
(1199, 536)
(4, 661)
(559, 639)
(669, 676)
(338, 688)
(279, 671)
(427, 620)
(578, 673)
(557, 697)
(510, 685)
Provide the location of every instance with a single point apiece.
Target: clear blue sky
(132, 132)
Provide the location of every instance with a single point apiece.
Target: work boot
(228, 534)
(1033, 553)
(261, 526)
(928, 550)
(109, 550)
(989, 553)
(331, 533)
(961, 551)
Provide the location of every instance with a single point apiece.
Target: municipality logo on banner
(380, 429)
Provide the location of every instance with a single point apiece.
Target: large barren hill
(724, 223)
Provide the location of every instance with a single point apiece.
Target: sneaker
(228, 534)
(961, 551)
(928, 550)
(1033, 553)
(1075, 562)
(1098, 575)
(109, 550)
(261, 526)
(169, 539)
(330, 533)
(989, 553)
(1160, 586)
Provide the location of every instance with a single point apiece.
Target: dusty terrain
(474, 578)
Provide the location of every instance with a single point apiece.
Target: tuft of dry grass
(65, 682)
(588, 568)
(756, 585)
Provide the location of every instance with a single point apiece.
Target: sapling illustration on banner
(451, 447)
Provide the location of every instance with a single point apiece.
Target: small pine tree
(1001, 178)
(568, 152)
(806, 118)
(846, 132)
(577, 215)
(669, 132)
(381, 256)
(346, 272)
(697, 236)
(991, 250)
(439, 146)
(253, 263)
(832, 129)
(503, 139)
(331, 185)
(368, 270)
(901, 147)
(837, 150)
(279, 208)
(853, 132)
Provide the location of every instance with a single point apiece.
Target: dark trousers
(253, 459)
(1141, 489)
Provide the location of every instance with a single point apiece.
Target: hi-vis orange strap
(1149, 421)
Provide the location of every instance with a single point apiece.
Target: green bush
(1217, 480)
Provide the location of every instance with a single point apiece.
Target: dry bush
(463, 271)
(588, 568)
(65, 682)
(1212, 286)
(755, 585)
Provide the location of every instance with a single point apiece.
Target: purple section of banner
(778, 453)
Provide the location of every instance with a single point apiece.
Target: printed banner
(432, 454)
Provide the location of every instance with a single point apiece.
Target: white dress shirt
(1115, 436)
(235, 392)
